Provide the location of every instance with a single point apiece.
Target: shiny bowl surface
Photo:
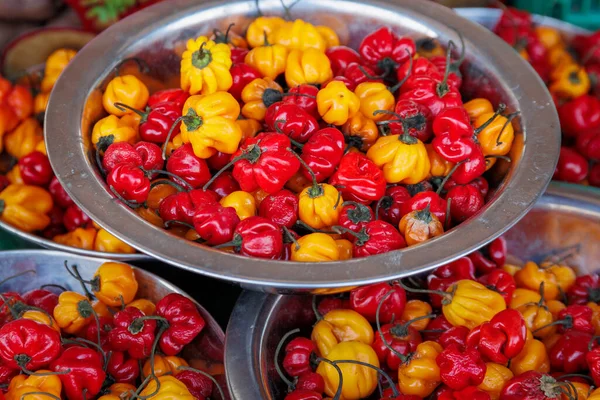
(566, 220)
(492, 69)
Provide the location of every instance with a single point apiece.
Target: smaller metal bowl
(566, 218)
(208, 347)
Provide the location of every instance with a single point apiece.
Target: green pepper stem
(53, 285)
(315, 185)
(447, 177)
(278, 130)
(124, 107)
(338, 392)
(29, 271)
(315, 308)
(401, 356)
(284, 378)
(75, 274)
(131, 204)
(170, 222)
(423, 291)
(287, 232)
(499, 111)
(408, 74)
(151, 172)
(508, 121)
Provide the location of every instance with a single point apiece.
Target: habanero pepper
(24, 138)
(340, 57)
(585, 289)
(532, 385)
(499, 281)
(129, 182)
(455, 336)
(184, 322)
(114, 283)
(241, 74)
(81, 238)
(315, 247)
(281, 208)
(215, 223)
(588, 144)
(572, 167)
(167, 387)
(156, 121)
(384, 51)
(533, 357)
(34, 387)
(420, 201)
(322, 153)
(224, 184)
(309, 66)
(569, 352)
(416, 313)
(127, 90)
(579, 114)
(359, 179)
(291, 120)
(496, 377)
(460, 369)
(305, 97)
(257, 237)
(443, 277)
(360, 132)
(177, 96)
(297, 356)
(132, 333)
(269, 59)
(205, 66)
(81, 372)
(389, 207)
(465, 201)
(243, 203)
(336, 103)
(190, 169)
(340, 326)
(401, 337)
(421, 374)
(419, 226)
(555, 279)
(258, 95)
(28, 345)
(354, 217)
(181, 206)
(376, 237)
(25, 207)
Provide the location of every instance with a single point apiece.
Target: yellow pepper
(42, 318)
(345, 248)
(170, 389)
(164, 365)
(415, 309)
(315, 247)
(570, 81)
(555, 307)
(375, 96)
(125, 89)
(209, 124)
(144, 305)
(555, 278)
(114, 284)
(360, 132)
(36, 385)
(595, 395)
(270, 59)
(310, 66)
(149, 215)
(111, 130)
(243, 203)
(340, 326)
(329, 35)
(73, 312)
(496, 376)
(477, 107)
(550, 37)
(595, 316)
(496, 138)
(14, 175)
(419, 226)
(421, 374)
(533, 357)
(25, 207)
(41, 147)
(403, 158)
(249, 127)
(108, 243)
(40, 103)
(438, 165)
(261, 27)
(55, 64)
(469, 303)
(511, 269)
(536, 316)
(524, 296)
(359, 381)
(299, 35)
(81, 238)
(582, 391)
(258, 95)
(319, 205)
(559, 56)
(205, 66)
(116, 390)
(336, 103)
(24, 138)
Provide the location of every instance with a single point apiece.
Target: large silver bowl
(49, 269)
(566, 217)
(492, 69)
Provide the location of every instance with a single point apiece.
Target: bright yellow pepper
(533, 357)
(115, 284)
(439, 165)
(81, 238)
(496, 138)
(209, 124)
(555, 278)
(336, 103)
(270, 59)
(299, 35)
(108, 243)
(345, 248)
(55, 64)
(496, 376)
(511, 269)
(570, 81)
(111, 130)
(205, 67)
(550, 37)
(315, 247)
(375, 96)
(340, 326)
(128, 90)
(524, 296)
(144, 305)
(170, 389)
(40, 103)
(329, 35)
(258, 95)
(164, 365)
(14, 175)
(469, 303)
(477, 107)
(403, 158)
(421, 374)
(419, 226)
(536, 316)
(116, 390)
(261, 27)
(73, 312)
(310, 66)
(24, 138)
(249, 127)
(243, 203)
(416, 309)
(559, 56)
(25, 207)
(359, 381)
(319, 205)
(360, 132)
(21, 385)
(42, 318)
(595, 395)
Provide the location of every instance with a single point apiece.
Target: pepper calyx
(201, 58)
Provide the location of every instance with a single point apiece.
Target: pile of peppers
(572, 74)
(105, 343)
(283, 144)
(31, 198)
(477, 328)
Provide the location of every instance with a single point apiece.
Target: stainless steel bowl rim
(88, 190)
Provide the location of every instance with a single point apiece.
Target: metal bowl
(492, 69)
(49, 269)
(566, 217)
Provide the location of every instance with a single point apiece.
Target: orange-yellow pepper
(415, 309)
(269, 59)
(55, 64)
(115, 284)
(570, 81)
(24, 138)
(430, 47)
(150, 215)
(40, 103)
(536, 316)
(533, 357)
(595, 395)
(319, 205)
(205, 66)
(524, 296)
(73, 312)
(111, 130)
(128, 90)
(249, 127)
(555, 307)
(469, 303)
(336, 103)
(261, 27)
(41, 147)
(421, 374)
(14, 175)
(496, 376)
(158, 193)
(81, 238)
(144, 305)
(345, 248)
(108, 243)
(359, 381)
(419, 226)
(329, 35)
(439, 165)
(496, 138)
(25, 207)
(298, 35)
(511, 268)
(259, 196)
(477, 107)
(258, 95)
(315, 247)
(555, 278)
(550, 37)
(403, 158)
(170, 389)
(582, 391)
(33, 387)
(164, 365)
(41, 317)
(341, 326)
(310, 66)
(595, 316)
(559, 57)
(243, 203)
(298, 182)
(116, 390)
(360, 132)
(375, 96)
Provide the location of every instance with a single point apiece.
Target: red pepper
(305, 97)
(465, 201)
(330, 303)
(499, 281)
(182, 206)
(176, 96)
(311, 381)
(593, 362)
(258, 237)
(453, 122)
(388, 394)
(420, 201)
(365, 300)
(389, 207)
(471, 169)
(376, 237)
(85, 374)
(401, 337)
(184, 322)
(280, 207)
(56, 226)
(532, 385)
(323, 152)
(12, 298)
(355, 216)
(359, 179)
(454, 75)
(27, 344)
(536, 51)
(90, 332)
(460, 369)
(355, 74)
(488, 258)
(418, 67)
(297, 356)
(572, 167)
(129, 182)
(300, 394)
(497, 250)
(74, 218)
(569, 352)
(436, 327)
(35, 169)
(41, 298)
(515, 19)
(384, 51)
(291, 120)
(151, 156)
(433, 94)
(455, 336)
(340, 57)
(200, 386)
(500, 339)
(579, 114)
(122, 369)
(576, 317)
(191, 169)
(118, 153)
(588, 144)
(224, 184)
(215, 223)
(7, 373)
(218, 161)
(265, 162)
(593, 71)
(132, 334)
(349, 84)
(585, 289)
(238, 54)
(416, 118)
(443, 277)
(456, 150)
(470, 392)
(483, 186)
(157, 121)
(241, 75)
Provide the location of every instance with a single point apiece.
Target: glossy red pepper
(384, 51)
(311, 381)
(90, 332)
(585, 289)
(241, 75)
(532, 385)
(118, 153)
(470, 392)
(177, 96)
(7, 373)
(258, 237)
(420, 201)
(588, 144)
(297, 356)
(460, 369)
(184, 322)
(454, 75)
(365, 300)
(572, 167)
(224, 184)
(436, 327)
(291, 120)
(418, 67)
(593, 363)
(433, 94)
(129, 182)
(340, 57)
(215, 223)
(471, 169)
(401, 337)
(238, 54)
(499, 281)
(280, 207)
(455, 150)
(355, 74)
(41, 298)
(12, 298)
(151, 156)
(416, 119)
(377, 237)
(35, 169)
(569, 352)
(349, 84)
(330, 303)
(122, 369)
(265, 162)
(191, 169)
(305, 97)
(132, 334)
(218, 161)
(200, 386)
(85, 374)
(359, 179)
(465, 201)
(74, 218)
(323, 152)
(354, 216)
(579, 114)
(182, 206)
(157, 121)
(455, 336)
(453, 122)
(300, 394)
(576, 317)
(389, 207)
(56, 226)
(27, 344)
(443, 277)
(513, 18)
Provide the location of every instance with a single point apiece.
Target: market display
(105, 343)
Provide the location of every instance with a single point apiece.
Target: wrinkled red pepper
(189, 168)
(499, 281)
(176, 96)
(224, 184)
(579, 114)
(215, 223)
(401, 337)
(569, 352)
(354, 216)
(471, 393)
(41, 298)
(27, 344)
(122, 368)
(455, 336)
(258, 237)
(200, 386)
(576, 317)
(460, 369)
(323, 152)
(359, 179)
(465, 201)
(532, 385)
(291, 120)
(340, 57)
(129, 182)
(366, 299)
(585, 289)
(437, 205)
(389, 207)
(85, 374)
(280, 207)
(385, 51)
(132, 334)
(376, 237)
(305, 97)
(311, 381)
(182, 206)
(297, 356)
(184, 322)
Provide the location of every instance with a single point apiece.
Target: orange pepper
(249, 127)
(258, 95)
(419, 226)
(14, 175)
(55, 65)
(115, 284)
(345, 248)
(41, 317)
(555, 278)
(81, 238)
(40, 103)
(550, 37)
(496, 376)
(24, 138)
(439, 165)
(477, 107)
(144, 305)
(595, 316)
(25, 207)
(128, 90)
(421, 374)
(158, 193)
(415, 309)
(533, 357)
(360, 132)
(73, 312)
(108, 243)
(17, 98)
(150, 216)
(164, 365)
